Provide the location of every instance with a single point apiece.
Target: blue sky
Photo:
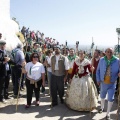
(71, 20)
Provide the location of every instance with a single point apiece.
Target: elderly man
(19, 58)
(3, 71)
(107, 73)
(59, 66)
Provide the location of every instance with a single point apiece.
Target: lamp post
(118, 31)
(65, 48)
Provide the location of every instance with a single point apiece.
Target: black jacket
(3, 71)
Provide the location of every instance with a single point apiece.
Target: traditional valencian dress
(81, 95)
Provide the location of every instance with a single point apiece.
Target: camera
(77, 42)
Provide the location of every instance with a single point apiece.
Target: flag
(92, 45)
(117, 48)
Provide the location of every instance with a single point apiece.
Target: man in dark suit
(3, 60)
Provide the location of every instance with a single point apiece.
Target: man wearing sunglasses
(108, 71)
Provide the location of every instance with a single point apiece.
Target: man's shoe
(101, 110)
(37, 103)
(27, 106)
(53, 105)
(107, 117)
(6, 97)
(62, 101)
(3, 101)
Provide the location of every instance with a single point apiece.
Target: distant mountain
(88, 47)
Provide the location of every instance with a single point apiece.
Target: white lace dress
(81, 95)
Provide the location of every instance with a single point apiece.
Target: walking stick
(20, 83)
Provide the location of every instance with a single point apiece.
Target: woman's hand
(92, 68)
(65, 78)
(48, 65)
(23, 64)
(98, 83)
(43, 79)
(23, 70)
(43, 83)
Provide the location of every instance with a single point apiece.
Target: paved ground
(44, 112)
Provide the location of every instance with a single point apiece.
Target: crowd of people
(32, 36)
(40, 60)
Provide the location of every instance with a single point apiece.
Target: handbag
(42, 89)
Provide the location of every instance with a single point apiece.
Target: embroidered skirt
(82, 95)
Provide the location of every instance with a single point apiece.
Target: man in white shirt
(48, 65)
(60, 67)
(71, 59)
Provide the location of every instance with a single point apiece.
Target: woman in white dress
(81, 95)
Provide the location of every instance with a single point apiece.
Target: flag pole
(77, 43)
(65, 48)
(118, 31)
(91, 81)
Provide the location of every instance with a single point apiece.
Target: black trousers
(57, 86)
(16, 76)
(13, 76)
(95, 81)
(2, 81)
(30, 88)
(22, 81)
(6, 85)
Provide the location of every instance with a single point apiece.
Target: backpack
(27, 57)
(13, 53)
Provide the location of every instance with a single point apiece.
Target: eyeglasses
(35, 56)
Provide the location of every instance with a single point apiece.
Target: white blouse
(49, 69)
(34, 70)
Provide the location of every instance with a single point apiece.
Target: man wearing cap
(19, 58)
(108, 71)
(3, 71)
(59, 66)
